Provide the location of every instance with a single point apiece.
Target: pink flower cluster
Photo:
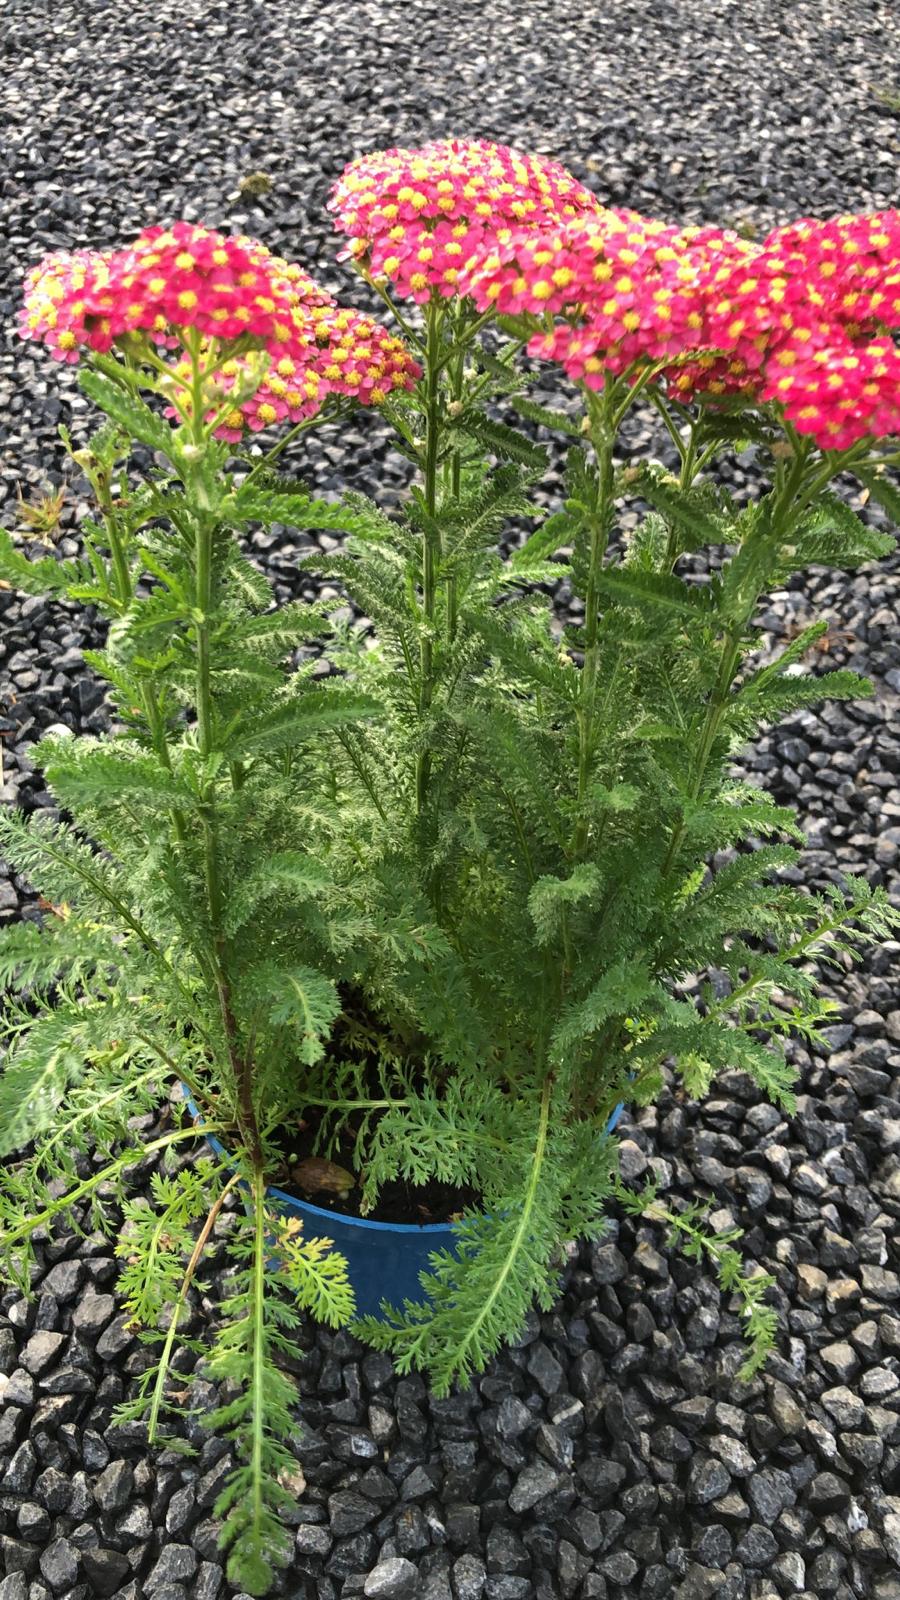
(186, 281)
(415, 217)
(336, 351)
(66, 305)
(630, 288)
(811, 322)
(183, 276)
(803, 319)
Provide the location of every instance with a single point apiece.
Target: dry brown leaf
(315, 1175)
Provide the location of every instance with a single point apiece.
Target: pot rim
(281, 1195)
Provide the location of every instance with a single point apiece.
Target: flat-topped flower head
(631, 289)
(290, 391)
(840, 390)
(359, 358)
(67, 304)
(807, 324)
(188, 276)
(853, 261)
(333, 351)
(416, 216)
(168, 280)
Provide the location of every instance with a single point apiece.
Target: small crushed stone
(612, 1453)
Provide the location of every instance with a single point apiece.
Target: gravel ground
(611, 1453)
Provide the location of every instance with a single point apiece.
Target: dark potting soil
(332, 1183)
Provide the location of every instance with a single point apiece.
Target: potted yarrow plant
(427, 912)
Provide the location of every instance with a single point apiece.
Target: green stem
(603, 437)
(715, 711)
(784, 510)
(457, 378)
(122, 586)
(484, 384)
(410, 333)
(241, 1065)
(203, 557)
(162, 1370)
(656, 399)
(834, 465)
(430, 544)
(129, 1158)
(160, 745)
(686, 478)
(266, 461)
(520, 831)
(258, 1321)
(468, 337)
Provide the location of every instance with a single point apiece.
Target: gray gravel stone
(114, 1485)
(20, 1472)
(785, 1411)
(208, 1581)
(348, 1512)
(532, 1485)
(177, 1563)
(105, 1570)
(312, 1539)
(41, 1351)
(64, 1280)
(393, 1579)
(92, 1314)
(847, 1409)
(59, 1564)
(707, 1480)
(469, 1577)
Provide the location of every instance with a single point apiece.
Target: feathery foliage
(435, 900)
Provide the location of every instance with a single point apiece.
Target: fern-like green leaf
(297, 719)
(299, 997)
(45, 1059)
(43, 575)
(550, 898)
(630, 586)
(128, 410)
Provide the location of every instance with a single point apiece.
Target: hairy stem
(457, 376)
(123, 587)
(409, 332)
(299, 428)
(258, 1318)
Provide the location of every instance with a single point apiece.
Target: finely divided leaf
(129, 411)
(630, 586)
(301, 998)
(300, 718)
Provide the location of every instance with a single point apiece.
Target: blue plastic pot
(384, 1259)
